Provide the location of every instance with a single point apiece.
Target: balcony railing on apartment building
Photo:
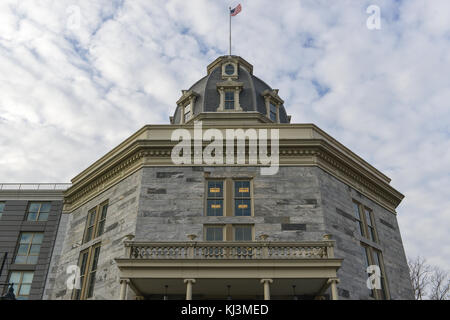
(230, 250)
(34, 186)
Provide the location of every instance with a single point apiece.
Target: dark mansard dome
(230, 86)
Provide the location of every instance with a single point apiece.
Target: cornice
(300, 152)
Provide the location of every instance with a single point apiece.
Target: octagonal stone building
(147, 222)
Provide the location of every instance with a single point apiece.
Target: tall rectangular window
(359, 221)
(102, 219)
(2, 207)
(243, 233)
(273, 112)
(21, 281)
(95, 223)
(38, 211)
(214, 233)
(88, 262)
(187, 112)
(90, 225)
(242, 198)
(365, 221)
(372, 256)
(370, 225)
(215, 196)
(229, 100)
(29, 247)
(378, 260)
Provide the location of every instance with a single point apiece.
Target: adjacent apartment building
(29, 221)
(140, 225)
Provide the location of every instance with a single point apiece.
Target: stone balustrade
(229, 250)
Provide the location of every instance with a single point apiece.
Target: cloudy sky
(78, 77)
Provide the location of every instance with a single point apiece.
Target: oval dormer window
(229, 69)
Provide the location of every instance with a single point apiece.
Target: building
(140, 225)
(29, 220)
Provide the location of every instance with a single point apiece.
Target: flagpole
(229, 13)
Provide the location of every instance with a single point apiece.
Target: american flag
(236, 10)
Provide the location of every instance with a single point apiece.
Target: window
(229, 100)
(214, 233)
(359, 223)
(88, 263)
(229, 69)
(378, 260)
(102, 219)
(214, 202)
(273, 112)
(365, 222)
(21, 283)
(29, 247)
(370, 226)
(228, 232)
(2, 208)
(243, 233)
(374, 257)
(38, 211)
(242, 198)
(367, 263)
(187, 113)
(95, 222)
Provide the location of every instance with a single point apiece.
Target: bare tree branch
(440, 284)
(420, 276)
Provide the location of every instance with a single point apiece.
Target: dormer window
(187, 112)
(229, 69)
(273, 103)
(273, 112)
(229, 100)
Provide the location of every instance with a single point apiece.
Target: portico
(220, 270)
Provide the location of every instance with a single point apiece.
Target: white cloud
(69, 95)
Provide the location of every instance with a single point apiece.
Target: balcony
(229, 250)
(205, 270)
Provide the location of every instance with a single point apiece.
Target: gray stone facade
(121, 220)
(337, 209)
(167, 204)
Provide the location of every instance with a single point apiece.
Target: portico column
(189, 283)
(333, 285)
(123, 288)
(266, 283)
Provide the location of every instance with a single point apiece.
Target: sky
(78, 77)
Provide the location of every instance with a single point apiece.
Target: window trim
(252, 231)
(2, 208)
(224, 196)
(370, 251)
(30, 244)
(206, 226)
(84, 285)
(19, 285)
(363, 221)
(39, 212)
(250, 180)
(97, 220)
(186, 106)
(233, 101)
